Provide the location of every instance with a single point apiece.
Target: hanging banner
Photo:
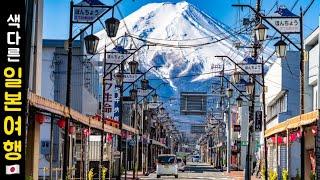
(130, 78)
(116, 57)
(108, 106)
(154, 105)
(286, 25)
(258, 121)
(285, 21)
(143, 93)
(250, 68)
(87, 11)
(116, 101)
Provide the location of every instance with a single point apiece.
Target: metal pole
(228, 137)
(68, 97)
(126, 160)
(302, 92)
(102, 110)
(120, 125)
(142, 152)
(264, 126)
(51, 145)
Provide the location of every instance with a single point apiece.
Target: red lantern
(40, 118)
(292, 137)
(61, 123)
(285, 140)
(314, 130)
(72, 129)
(273, 140)
(299, 134)
(109, 137)
(280, 140)
(86, 132)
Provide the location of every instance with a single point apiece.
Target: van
(167, 165)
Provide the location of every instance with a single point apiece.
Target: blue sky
(56, 12)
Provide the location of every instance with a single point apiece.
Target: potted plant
(285, 174)
(298, 177)
(312, 175)
(273, 175)
(263, 171)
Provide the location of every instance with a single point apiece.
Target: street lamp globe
(144, 84)
(112, 25)
(281, 48)
(133, 65)
(133, 94)
(236, 76)
(155, 97)
(161, 110)
(249, 88)
(261, 32)
(119, 78)
(91, 42)
(145, 104)
(229, 92)
(239, 101)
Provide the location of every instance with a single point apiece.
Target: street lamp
(249, 88)
(261, 32)
(119, 78)
(229, 92)
(239, 101)
(144, 84)
(161, 110)
(281, 48)
(112, 25)
(91, 43)
(155, 97)
(133, 65)
(236, 76)
(133, 94)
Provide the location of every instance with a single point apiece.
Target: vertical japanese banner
(13, 94)
(109, 93)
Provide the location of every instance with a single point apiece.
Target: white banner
(251, 68)
(142, 92)
(130, 78)
(109, 95)
(116, 58)
(286, 24)
(153, 105)
(87, 11)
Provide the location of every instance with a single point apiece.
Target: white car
(167, 165)
(196, 158)
(181, 165)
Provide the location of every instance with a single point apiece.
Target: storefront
(288, 139)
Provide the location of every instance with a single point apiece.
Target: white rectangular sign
(251, 68)
(116, 58)
(86, 14)
(130, 78)
(142, 92)
(153, 105)
(286, 24)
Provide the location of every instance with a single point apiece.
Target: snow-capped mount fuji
(179, 24)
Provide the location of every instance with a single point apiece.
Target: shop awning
(295, 122)
(59, 109)
(157, 143)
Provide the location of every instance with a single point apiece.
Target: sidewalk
(130, 175)
(239, 175)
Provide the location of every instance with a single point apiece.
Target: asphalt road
(195, 171)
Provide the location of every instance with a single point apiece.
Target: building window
(279, 106)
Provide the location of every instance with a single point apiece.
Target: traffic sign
(244, 143)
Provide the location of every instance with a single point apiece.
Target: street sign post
(255, 68)
(258, 121)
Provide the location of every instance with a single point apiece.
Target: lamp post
(229, 94)
(250, 91)
(280, 48)
(91, 43)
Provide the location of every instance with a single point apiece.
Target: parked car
(167, 165)
(196, 158)
(181, 164)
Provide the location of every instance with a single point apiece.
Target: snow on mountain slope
(180, 24)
